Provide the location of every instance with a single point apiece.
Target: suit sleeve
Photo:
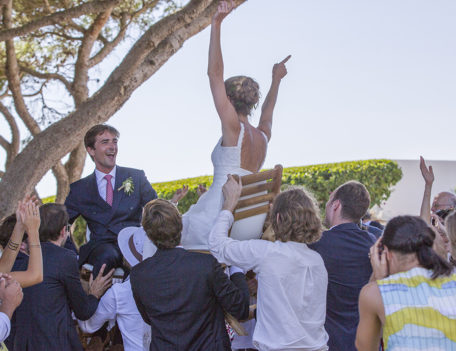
(72, 205)
(232, 295)
(139, 304)
(83, 305)
(147, 192)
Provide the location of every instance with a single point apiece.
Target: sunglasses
(444, 213)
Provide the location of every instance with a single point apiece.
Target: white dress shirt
(5, 326)
(101, 182)
(118, 304)
(292, 284)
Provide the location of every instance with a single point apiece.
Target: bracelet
(34, 245)
(12, 245)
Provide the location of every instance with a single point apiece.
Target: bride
(242, 148)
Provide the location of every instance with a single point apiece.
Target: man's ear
(63, 232)
(335, 205)
(90, 151)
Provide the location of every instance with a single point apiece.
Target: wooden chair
(258, 193)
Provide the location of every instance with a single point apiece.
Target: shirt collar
(100, 174)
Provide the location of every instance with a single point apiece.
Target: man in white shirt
(292, 279)
(118, 303)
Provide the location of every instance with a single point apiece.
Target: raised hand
(180, 194)
(427, 173)
(279, 70)
(223, 9)
(30, 215)
(231, 192)
(98, 286)
(201, 190)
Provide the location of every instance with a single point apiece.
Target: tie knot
(108, 177)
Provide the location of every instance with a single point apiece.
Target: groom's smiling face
(104, 152)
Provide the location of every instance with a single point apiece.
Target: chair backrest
(258, 192)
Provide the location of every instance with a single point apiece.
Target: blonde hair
(450, 224)
(298, 217)
(244, 94)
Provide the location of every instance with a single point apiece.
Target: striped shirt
(420, 313)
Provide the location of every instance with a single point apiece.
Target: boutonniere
(127, 186)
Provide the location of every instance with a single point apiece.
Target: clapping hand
(223, 9)
(428, 173)
(179, 194)
(201, 190)
(279, 70)
(29, 214)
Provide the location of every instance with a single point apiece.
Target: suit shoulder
(205, 258)
(80, 182)
(130, 170)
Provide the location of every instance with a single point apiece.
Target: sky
(367, 79)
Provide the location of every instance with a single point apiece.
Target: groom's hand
(231, 192)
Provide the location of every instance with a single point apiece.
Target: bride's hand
(223, 9)
(279, 70)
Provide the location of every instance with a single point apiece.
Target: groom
(109, 199)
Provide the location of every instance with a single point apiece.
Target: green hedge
(377, 175)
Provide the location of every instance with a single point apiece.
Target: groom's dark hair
(91, 135)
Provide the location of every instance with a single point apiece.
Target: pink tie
(109, 191)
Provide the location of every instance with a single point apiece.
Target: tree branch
(108, 48)
(12, 73)
(5, 144)
(61, 137)
(15, 136)
(58, 17)
(47, 76)
(81, 68)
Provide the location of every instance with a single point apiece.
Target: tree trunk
(149, 53)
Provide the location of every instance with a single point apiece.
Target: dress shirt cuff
(228, 215)
(5, 326)
(234, 269)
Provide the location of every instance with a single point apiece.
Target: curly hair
(162, 223)
(299, 218)
(243, 93)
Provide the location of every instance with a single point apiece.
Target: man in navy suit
(344, 249)
(44, 322)
(109, 199)
(183, 294)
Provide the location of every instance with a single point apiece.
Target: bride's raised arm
(225, 110)
(278, 72)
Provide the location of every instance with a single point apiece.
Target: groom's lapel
(121, 175)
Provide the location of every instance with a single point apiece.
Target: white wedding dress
(199, 219)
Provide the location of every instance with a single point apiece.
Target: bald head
(443, 201)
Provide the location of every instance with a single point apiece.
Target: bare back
(253, 149)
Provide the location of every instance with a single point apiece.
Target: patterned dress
(420, 312)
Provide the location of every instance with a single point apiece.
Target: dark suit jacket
(344, 250)
(104, 221)
(182, 296)
(43, 320)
